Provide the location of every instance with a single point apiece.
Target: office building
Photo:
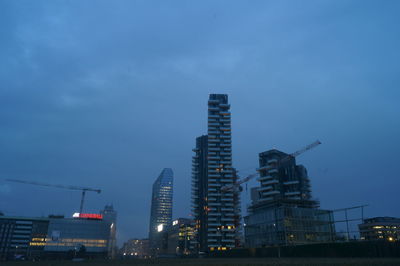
(283, 211)
(179, 238)
(161, 208)
(17, 235)
(380, 228)
(56, 236)
(216, 213)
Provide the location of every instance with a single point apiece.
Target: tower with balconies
(281, 179)
(217, 213)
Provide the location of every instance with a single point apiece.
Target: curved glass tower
(161, 207)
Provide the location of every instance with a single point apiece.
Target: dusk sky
(106, 94)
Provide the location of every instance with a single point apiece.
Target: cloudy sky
(107, 93)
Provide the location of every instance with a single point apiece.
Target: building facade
(283, 211)
(216, 213)
(380, 228)
(161, 207)
(22, 237)
(56, 236)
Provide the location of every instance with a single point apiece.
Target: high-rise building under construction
(216, 213)
(283, 211)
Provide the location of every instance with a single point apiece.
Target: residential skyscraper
(161, 206)
(216, 213)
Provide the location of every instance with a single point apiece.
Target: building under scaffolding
(282, 210)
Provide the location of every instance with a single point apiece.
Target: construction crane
(83, 189)
(249, 177)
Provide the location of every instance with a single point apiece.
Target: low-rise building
(56, 236)
(136, 248)
(380, 228)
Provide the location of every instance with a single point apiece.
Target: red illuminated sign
(88, 216)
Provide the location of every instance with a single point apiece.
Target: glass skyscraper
(161, 207)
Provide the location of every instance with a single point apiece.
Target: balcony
(263, 178)
(271, 182)
(228, 240)
(273, 171)
(214, 224)
(214, 214)
(224, 180)
(270, 193)
(293, 193)
(226, 209)
(214, 194)
(213, 235)
(272, 161)
(214, 204)
(290, 183)
(226, 199)
(225, 145)
(214, 185)
(213, 175)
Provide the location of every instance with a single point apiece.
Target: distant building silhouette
(161, 207)
(216, 214)
(282, 210)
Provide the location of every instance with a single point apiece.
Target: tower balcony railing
(214, 185)
(214, 214)
(226, 180)
(266, 188)
(263, 178)
(213, 235)
(272, 161)
(270, 182)
(291, 182)
(214, 204)
(226, 199)
(214, 224)
(292, 193)
(228, 240)
(273, 171)
(214, 194)
(274, 192)
(227, 209)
